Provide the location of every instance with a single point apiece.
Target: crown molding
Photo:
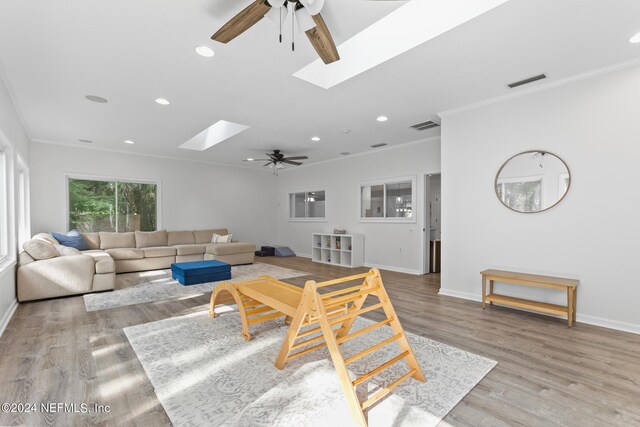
(156, 156)
(542, 87)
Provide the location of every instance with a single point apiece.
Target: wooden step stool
(266, 298)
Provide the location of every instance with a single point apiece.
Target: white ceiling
(54, 52)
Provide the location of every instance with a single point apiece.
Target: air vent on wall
(527, 81)
(429, 124)
(378, 145)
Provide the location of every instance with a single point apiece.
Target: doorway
(432, 225)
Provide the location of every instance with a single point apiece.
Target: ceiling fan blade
(322, 42)
(296, 158)
(242, 21)
(272, 156)
(267, 164)
(291, 163)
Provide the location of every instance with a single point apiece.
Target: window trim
(7, 232)
(307, 219)
(158, 183)
(23, 202)
(414, 190)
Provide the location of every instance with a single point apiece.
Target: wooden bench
(567, 285)
(334, 313)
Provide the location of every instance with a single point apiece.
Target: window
(24, 216)
(4, 205)
(110, 205)
(308, 205)
(522, 194)
(391, 201)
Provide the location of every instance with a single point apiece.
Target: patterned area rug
(205, 374)
(148, 286)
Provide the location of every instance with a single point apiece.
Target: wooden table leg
(484, 290)
(490, 290)
(575, 303)
(570, 307)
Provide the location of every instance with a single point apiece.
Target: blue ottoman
(192, 273)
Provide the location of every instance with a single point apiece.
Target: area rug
(157, 285)
(205, 374)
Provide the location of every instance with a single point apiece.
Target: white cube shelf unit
(346, 250)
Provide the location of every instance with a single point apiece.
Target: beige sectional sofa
(94, 270)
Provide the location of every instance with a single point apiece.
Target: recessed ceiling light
(205, 51)
(345, 153)
(250, 159)
(97, 99)
(315, 138)
(635, 39)
(382, 118)
(346, 130)
(86, 141)
(162, 101)
(128, 141)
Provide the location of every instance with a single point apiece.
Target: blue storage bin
(192, 273)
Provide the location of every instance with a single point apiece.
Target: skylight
(409, 26)
(213, 135)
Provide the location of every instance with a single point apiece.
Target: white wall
(393, 246)
(591, 235)
(193, 195)
(11, 130)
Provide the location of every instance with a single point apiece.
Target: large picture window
(112, 205)
(390, 200)
(308, 205)
(4, 206)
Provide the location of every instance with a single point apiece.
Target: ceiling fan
(306, 13)
(277, 160)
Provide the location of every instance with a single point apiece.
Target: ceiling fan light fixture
(276, 14)
(276, 3)
(304, 20)
(313, 7)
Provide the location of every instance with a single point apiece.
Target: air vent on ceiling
(378, 145)
(527, 81)
(429, 124)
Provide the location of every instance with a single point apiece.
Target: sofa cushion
(180, 238)
(72, 239)
(230, 248)
(216, 238)
(104, 262)
(126, 253)
(190, 249)
(92, 239)
(151, 239)
(117, 240)
(159, 251)
(40, 249)
(204, 236)
(66, 250)
(46, 237)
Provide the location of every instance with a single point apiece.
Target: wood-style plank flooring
(547, 374)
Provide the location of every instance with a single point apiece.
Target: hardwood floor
(547, 374)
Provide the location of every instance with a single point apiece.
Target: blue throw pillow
(72, 239)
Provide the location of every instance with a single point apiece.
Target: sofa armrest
(64, 275)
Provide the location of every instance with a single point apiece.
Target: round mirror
(533, 181)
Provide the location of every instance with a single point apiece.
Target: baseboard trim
(392, 268)
(8, 315)
(581, 318)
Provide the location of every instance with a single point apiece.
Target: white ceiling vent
(527, 80)
(429, 124)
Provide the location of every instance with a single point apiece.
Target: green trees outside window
(112, 206)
